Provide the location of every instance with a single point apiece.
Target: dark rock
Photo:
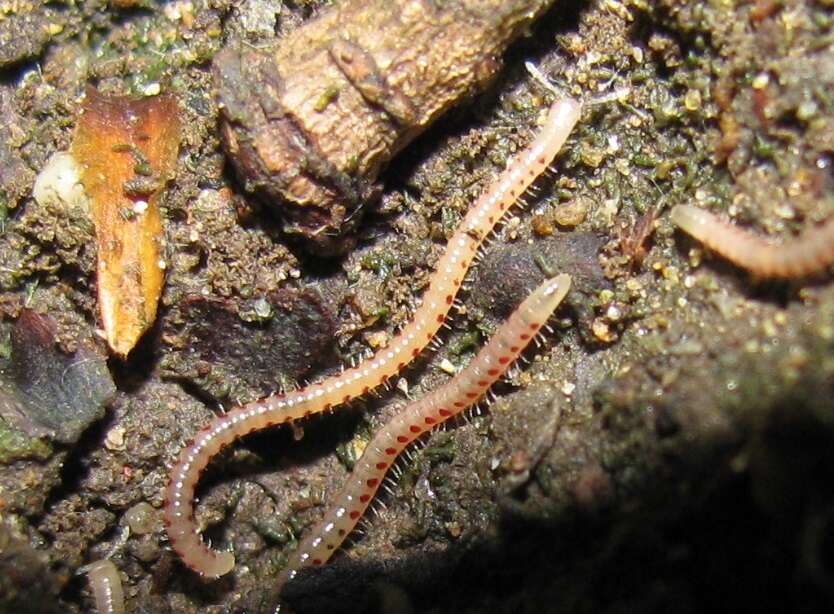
(47, 393)
(508, 274)
(249, 349)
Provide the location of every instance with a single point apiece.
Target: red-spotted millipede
(106, 585)
(183, 531)
(420, 417)
(811, 252)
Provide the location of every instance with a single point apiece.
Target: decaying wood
(310, 124)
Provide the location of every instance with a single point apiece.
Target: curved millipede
(464, 390)
(444, 284)
(809, 253)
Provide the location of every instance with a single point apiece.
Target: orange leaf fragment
(127, 151)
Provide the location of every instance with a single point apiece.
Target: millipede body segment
(278, 409)
(811, 252)
(420, 417)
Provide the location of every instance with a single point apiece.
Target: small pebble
(142, 518)
(602, 331)
(447, 367)
(572, 213)
(115, 438)
(152, 89)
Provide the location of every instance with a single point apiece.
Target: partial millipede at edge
(811, 252)
(444, 284)
(466, 389)
(106, 585)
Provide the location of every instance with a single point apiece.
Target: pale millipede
(466, 389)
(106, 585)
(809, 253)
(444, 284)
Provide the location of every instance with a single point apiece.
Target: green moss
(330, 94)
(466, 342)
(4, 214)
(16, 445)
(380, 262)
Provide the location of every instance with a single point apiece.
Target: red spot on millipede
(440, 318)
(514, 348)
(430, 420)
(471, 395)
(391, 451)
(341, 532)
(354, 515)
(346, 398)
(380, 466)
(534, 326)
(524, 336)
(415, 351)
(372, 482)
(402, 439)
(365, 498)
(444, 412)
(330, 546)
(493, 372)
(482, 382)
(316, 561)
(328, 406)
(456, 281)
(414, 428)
(400, 367)
(308, 413)
(460, 404)
(366, 389)
(449, 299)
(504, 360)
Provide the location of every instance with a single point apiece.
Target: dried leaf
(127, 150)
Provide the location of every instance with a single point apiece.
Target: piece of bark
(311, 124)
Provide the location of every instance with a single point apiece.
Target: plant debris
(127, 150)
(313, 122)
